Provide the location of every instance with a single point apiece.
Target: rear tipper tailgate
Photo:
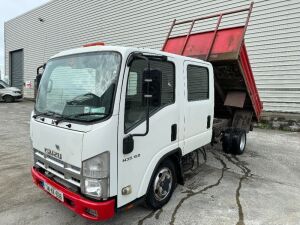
(225, 49)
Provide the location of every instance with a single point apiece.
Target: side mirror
(128, 144)
(154, 78)
(38, 80)
(151, 89)
(39, 75)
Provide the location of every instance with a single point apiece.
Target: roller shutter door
(16, 69)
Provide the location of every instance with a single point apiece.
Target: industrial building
(272, 38)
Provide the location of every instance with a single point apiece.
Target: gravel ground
(260, 187)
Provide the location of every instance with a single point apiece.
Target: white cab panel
(101, 139)
(66, 142)
(136, 168)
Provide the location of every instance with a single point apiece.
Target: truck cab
(111, 125)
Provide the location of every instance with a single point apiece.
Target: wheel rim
(162, 184)
(243, 142)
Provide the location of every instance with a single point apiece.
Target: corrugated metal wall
(272, 39)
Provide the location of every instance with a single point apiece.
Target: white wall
(272, 39)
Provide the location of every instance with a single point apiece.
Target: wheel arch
(175, 156)
(4, 95)
(8, 95)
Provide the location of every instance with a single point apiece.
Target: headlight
(96, 176)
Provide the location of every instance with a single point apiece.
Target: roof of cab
(91, 49)
(122, 50)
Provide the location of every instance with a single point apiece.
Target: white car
(9, 94)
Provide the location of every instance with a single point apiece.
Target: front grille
(57, 168)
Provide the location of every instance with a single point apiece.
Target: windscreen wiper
(58, 117)
(90, 114)
(63, 118)
(47, 113)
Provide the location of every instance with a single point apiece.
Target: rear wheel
(234, 141)
(227, 141)
(8, 98)
(239, 142)
(162, 185)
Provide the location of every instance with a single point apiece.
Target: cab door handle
(173, 132)
(208, 122)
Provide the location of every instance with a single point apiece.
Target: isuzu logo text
(53, 153)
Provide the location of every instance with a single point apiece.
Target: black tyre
(227, 141)
(251, 127)
(162, 185)
(8, 98)
(239, 140)
(234, 141)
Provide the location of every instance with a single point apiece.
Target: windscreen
(79, 87)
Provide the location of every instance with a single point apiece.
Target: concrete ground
(260, 187)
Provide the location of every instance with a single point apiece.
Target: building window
(197, 83)
(135, 104)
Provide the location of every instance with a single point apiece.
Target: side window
(197, 83)
(1, 87)
(135, 104)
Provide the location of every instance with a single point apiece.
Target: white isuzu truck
(112, 126)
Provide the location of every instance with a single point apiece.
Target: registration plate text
(56, 193)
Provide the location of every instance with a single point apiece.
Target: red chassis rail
(104, 210)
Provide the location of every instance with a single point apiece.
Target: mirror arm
(39, 76)
(128, 142)
(40, 67)
(147, 121)
(146, 96)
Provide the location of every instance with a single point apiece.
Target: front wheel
(162, 185)
(8, 98)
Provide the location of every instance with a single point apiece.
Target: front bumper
(18, 97)
(105, 210)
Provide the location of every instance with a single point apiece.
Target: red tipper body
(80, 205)
(225, 49)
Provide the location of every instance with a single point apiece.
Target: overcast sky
(8, 10)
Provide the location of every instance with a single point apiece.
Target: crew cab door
(135, 168)
(198, 104)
